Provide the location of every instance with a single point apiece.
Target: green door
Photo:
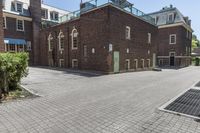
(116, 62)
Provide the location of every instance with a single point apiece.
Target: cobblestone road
(86, 103)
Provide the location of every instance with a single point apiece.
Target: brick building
(21, 24)
(109, 37)
(175, 37)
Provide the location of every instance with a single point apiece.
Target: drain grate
(188, 103)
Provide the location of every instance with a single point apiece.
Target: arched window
(61, 40)
(50, 42)
(74, 36)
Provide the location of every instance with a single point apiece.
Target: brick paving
(86, 103)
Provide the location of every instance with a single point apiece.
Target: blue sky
(187, 7)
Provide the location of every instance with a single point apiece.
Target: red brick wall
(97, 29)
(182, 41)
(138, 46)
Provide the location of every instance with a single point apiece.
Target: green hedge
(13, 67)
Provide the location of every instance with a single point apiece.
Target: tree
(195, 42)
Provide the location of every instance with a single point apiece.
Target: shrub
(13, 67)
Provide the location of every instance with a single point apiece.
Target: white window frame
(136, 63)
(60, 36)
(93, 50)
(54, 15)
(171, 14)
(149, 63)
(13, 46)
(18, 2)
(156, 21)
(60, 63)
(17, 22)
(46, 13)
(170, 39)
(4, 23)
(128, 33)
(72, 37)
(149, 38)
(170, 53)
(85, 54)
(129, 64)
(50, 38)
(73, 60)
(142, 60)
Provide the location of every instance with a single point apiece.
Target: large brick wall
(182, 41)
(137, 45)
(97, 29)
(11, 30)
(2, 45)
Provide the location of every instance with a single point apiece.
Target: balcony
(123, 4)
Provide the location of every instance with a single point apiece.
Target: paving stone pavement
(86, 103)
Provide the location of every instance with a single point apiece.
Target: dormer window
(54, 16)
(19, 7)
(171, 18)
(44, 13)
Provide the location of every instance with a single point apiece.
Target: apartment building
(175, 37)
(110, 37)
(21, 24)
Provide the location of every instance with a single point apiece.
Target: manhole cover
(188, 104)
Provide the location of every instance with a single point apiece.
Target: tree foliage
(13, 67)
(195, 42)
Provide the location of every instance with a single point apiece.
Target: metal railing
(98, 3)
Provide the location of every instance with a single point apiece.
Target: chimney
(2, 45)
(171, 6)
(35, 9)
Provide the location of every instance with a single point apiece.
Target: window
(148, 63)
(135, 64)
(74, 35)
(171, 18)
(20, 25)
(149, 38)
(44, 13)
(74, 63)
(172, 39)
(12, 48)
(93, 50)
(85, 51)
(4, 23)
(142, 63)
(21, 48)
(61, 41)
(19, 7)
(54, 15)
(160, 62)
(127, 51)
(50, 42)
(61, 63)
(156, 19)
(128, 33)
(127, 64)
(28, 46)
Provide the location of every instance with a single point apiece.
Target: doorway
(172, 58)
(116, 62)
